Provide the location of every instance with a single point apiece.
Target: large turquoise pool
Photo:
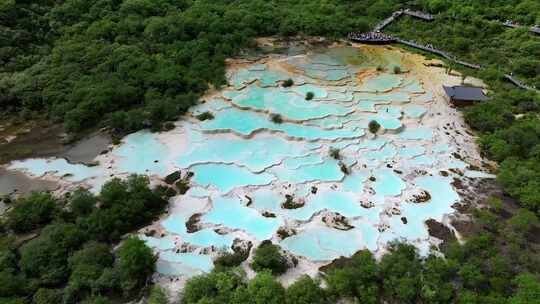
(245, 164)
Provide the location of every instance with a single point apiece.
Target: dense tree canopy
(268, 257)
(139, 63)
(130, 64)
(71, 260)
(32, 212)
(488, 268)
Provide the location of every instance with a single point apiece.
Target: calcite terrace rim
(356, 152)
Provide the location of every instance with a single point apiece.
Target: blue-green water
(229, 213)
(244, 164)
(226, 177)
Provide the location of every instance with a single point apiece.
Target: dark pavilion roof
(465, 93)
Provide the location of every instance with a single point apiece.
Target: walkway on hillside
(533, 29)
(419, 14)
(474, 66)
(444, 54)
(381, 25)
(519, 83)
(371, 37)
(376, 36)
(395, 15)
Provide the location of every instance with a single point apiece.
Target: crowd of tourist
(511, 23)
(535, 28)
(373, 36)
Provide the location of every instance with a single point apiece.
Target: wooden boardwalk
(376, 36)
(371, 37)
(438, 52)
(381, 25)
(419, 14)
(520, 84)
(532, 29)
(474, 66)
(395, 15)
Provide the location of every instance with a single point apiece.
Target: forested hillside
(137, 63)
(131, 64)
(60, 250)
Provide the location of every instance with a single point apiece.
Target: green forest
(71, 259)
(136, 63)
(133, 64)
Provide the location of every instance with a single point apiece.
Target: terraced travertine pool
(244, 164)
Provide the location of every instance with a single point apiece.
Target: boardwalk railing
(430, 49)
(533, 29)
(444, 54)
(395, 15)
(419, 14)
(371, 37)
(376, 36)
(519, 83)
(379, 26)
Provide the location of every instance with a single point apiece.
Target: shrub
(31, 212)
(334, 153)
(164, 191)
(136, 262)
(523, 221)
(374, 126)
(11, 284)
(46, 296)
(171, 178)
(284, 233)
(400, 272)
(116, 140)
(182, 186)
(310, 95)
(354, 277)
(218, 286)
(124, 205)
(305, 291)
(87, 266)
(528, 289)
(82, 202)
(205, 116)
(287, 83)
(264, 289)
(200, 287)
(227, 259)
(268, 256)
(92, 253)
(344, 169)
(157, 296)
(496, 204)
(397, 69)
(276, 118)
(168, 126)
(46, 257)
(290, 203)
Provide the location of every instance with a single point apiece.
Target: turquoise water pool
(244, 164)
(226, 177)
